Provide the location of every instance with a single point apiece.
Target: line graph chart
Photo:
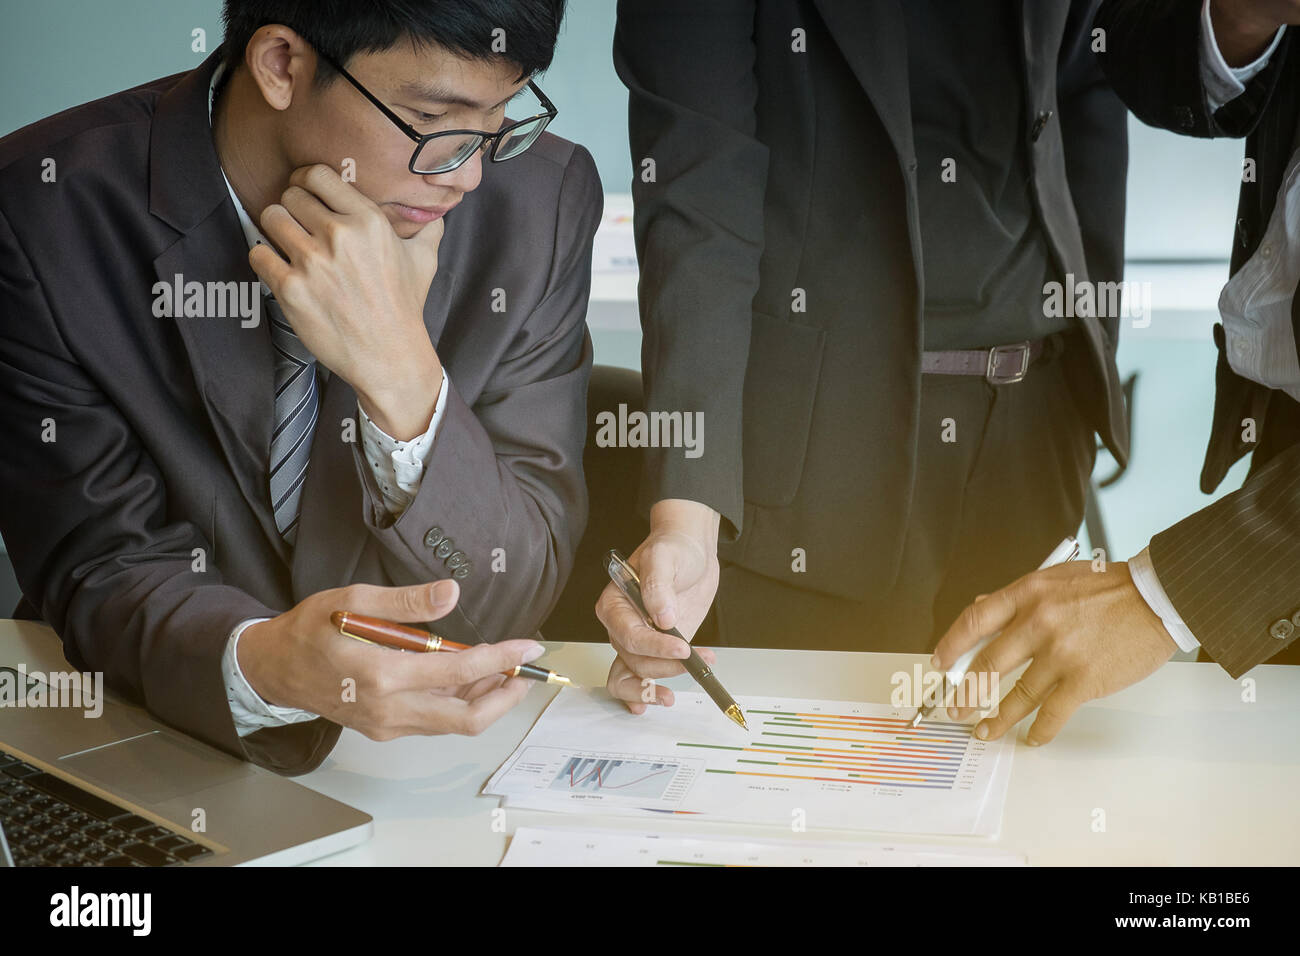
(633, 778)
(603, 776)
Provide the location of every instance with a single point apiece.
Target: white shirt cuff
(1222, 82)
(250, 712)
(398, 466)
(1148, 585)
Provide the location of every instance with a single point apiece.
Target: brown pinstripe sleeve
(1233, 568)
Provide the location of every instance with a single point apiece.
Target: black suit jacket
(163, 426)
(1232, 570)
(776, 170)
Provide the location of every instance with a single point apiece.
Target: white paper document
(614, 246)
(804, 763)
(557, 846)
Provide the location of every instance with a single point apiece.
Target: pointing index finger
(978, 620)
(328, 186)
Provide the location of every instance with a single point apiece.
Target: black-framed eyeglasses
(446, 150)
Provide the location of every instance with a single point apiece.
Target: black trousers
(989, 505)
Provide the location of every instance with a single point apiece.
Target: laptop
(122, 789)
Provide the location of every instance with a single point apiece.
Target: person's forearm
(1243, 33)
(504, 524)
(1153, 60)
(1229, 568)
(249, 709)
(405, 405)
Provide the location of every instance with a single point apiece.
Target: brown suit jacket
(162, 426)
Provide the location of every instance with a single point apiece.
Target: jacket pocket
(780, 390)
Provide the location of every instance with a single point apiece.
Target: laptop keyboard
(49, 821)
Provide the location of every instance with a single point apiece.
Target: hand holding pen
(399, 637)
(1067, 550)
(1085, 630)
(626, 580)
(298, 659)
(679, 568)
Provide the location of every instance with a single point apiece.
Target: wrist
(250, 655)
(692, 518)
(403, 407)
(1242, 34)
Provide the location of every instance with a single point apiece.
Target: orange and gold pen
(374, 630)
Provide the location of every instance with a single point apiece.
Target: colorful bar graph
(876, 751)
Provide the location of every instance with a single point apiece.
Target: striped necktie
(296, 408)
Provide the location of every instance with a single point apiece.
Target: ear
(281, 63)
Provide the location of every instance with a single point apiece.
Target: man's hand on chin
(354, 292)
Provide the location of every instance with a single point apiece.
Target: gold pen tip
(735, 714)
(559, 679)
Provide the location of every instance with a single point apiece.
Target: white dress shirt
(398, 467)
(1256, 302)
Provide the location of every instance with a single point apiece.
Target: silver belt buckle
(991, 374)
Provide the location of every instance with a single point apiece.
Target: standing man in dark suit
(194, 479)
(848, 218)
(1226, 579)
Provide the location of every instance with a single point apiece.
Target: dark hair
(342, 28)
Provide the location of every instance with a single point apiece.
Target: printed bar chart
(844, 748)
(832, 764)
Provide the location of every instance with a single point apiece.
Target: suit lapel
(232, 364)
(873, 39)
(1044, 25)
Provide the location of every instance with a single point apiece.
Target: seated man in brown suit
(195, 477)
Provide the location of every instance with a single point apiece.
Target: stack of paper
(804, 764)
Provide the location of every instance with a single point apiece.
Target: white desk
(1184, 770)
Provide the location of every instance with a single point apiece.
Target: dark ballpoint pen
(625, 577)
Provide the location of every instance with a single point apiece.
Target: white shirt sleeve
(1222, 82)
(1148, 585)
(251, 713)
(398, 466)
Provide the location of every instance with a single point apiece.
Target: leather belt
(1000, 365)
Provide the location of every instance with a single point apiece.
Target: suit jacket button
(1040, 124)
(1282, 629)
(1295, 618)
(456, 559)
(445, 547)
(461, 572)
(432, 537)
